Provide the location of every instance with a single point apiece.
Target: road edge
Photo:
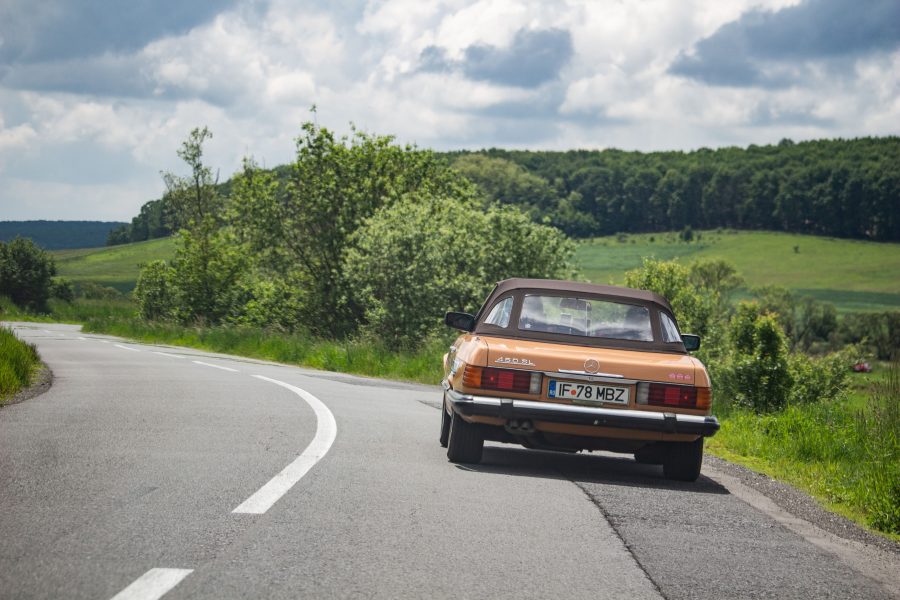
(43, 381)
(871, 560)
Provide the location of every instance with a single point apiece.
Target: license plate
(587, 392)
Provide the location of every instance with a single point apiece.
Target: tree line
(841, 188)
(358, 236)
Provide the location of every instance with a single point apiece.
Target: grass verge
(845, 453)
(359, 357)
(18, 363)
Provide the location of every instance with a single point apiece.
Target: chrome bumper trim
(646, 420)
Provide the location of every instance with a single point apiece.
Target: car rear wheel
(466, 443)
(682, 462)
(445, 424)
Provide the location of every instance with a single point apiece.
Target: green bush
(816, 379)
(95, 291)
(695, 305)
(424, 255)
(26, 274)
(62, 289)
(154, 292)
(755, 373)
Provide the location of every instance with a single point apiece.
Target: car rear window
(585, 317)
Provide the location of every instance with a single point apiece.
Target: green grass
(853, 275)
(113, 266)
(18, 363)
(845, 453)
(359, 357)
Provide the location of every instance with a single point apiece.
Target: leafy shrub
(95, 291)
(26, 274)
(755, 373)
(269, 303)
(427, 254)
(817, 379)
(62, 289)
(694, 305)
(154, 292)
(880, 332)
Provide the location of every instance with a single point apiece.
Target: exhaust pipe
(520, 427)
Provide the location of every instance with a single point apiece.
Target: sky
(97, 95)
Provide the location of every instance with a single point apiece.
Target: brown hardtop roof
(615, 291)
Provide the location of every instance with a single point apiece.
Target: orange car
(561, 365)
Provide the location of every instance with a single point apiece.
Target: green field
(853, 275)
(113, 266)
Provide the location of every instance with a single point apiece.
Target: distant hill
(854, 275)
(112, 266)
(59, 235)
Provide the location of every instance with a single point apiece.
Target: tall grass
(18, 363)
(362, 357)
(79, 311)
(842, 452)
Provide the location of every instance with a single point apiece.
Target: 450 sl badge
(506, 360)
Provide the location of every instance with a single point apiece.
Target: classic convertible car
(561, 365)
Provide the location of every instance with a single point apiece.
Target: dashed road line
(126, 347)
(153, 584)
(278, 486)
(205, 364)
(167, 354)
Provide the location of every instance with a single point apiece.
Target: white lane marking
(278, 486)
(153, 584)
(84, 339)
(106, 341)
(48, 331)
(166, 354)
(126, 347)
(200, 362)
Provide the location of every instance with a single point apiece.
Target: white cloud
(251, 73)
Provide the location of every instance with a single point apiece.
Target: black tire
(466, 443)
(445, 424)
(683, 460)
(649, 455)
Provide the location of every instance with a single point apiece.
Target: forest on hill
(840, 188)
(59, 235)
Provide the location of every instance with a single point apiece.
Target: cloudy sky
(96, 95)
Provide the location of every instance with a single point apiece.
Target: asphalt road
(149, 470)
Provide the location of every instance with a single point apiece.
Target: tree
(26, 274)
(426, 254)
(332, 187)
(204, 274)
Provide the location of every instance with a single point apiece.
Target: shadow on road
(603, 468)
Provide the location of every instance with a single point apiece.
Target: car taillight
(681, 396)
(509, 380)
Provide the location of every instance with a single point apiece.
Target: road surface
(148, 471)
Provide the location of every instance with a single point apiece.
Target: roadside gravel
(801, 505)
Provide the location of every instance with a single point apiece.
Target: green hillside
(854, 275)
(113, 266)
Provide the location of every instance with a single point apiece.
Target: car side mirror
(691, 341)
(458, 320)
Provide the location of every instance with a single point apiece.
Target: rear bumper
(642, 420)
